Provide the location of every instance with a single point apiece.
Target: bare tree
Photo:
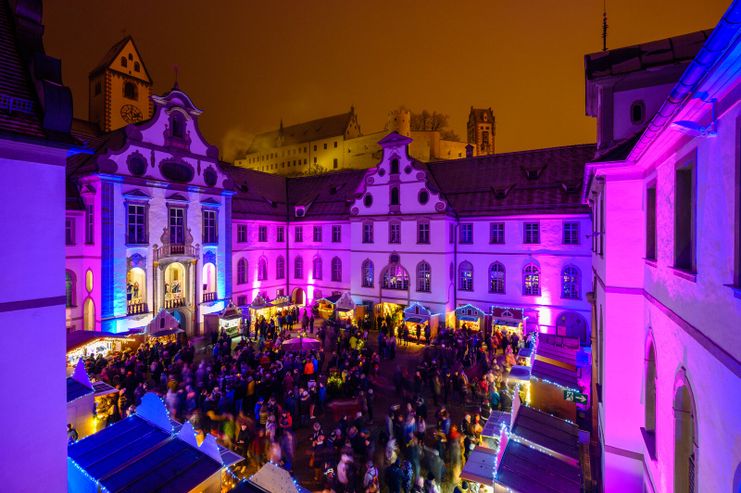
(434, 121)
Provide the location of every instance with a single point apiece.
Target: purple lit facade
(667, 307)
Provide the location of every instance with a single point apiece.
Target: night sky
(248, 64)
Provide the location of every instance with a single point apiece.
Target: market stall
(508, 320)
(470, 317)
(164, 325)
(325, 306)
(81, 401)
(260, 307)
(86, 344)
(301, 343)
(270, 478)
(345, 307)
(480, 468)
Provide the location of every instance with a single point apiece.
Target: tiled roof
(16, 88)
(110, 55)
(529, 182)
(322, 128)
(629, 59)
(258, 195)
(325, 196)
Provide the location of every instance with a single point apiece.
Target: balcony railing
(209, 297)
(175, 250)
(174, 302)
(136, 308)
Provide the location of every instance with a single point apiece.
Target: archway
(298, 297)
(136, 285)
(572, 324)
(174, 285)
(685, 437)
(209, 278)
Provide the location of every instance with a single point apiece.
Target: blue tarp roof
(134, 455)
(75, 389)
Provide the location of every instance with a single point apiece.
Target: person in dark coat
(394, 477)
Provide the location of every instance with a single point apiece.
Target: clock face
(130, 113)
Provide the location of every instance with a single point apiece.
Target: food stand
(260, 307)
(417, 314)
(345, 307)
(470, 317)
(86, 344)
(508, 319)
(229, 319)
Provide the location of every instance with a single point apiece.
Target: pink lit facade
(147, 224)
(667, 303)
(354, 231)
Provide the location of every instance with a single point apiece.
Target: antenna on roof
(604, 25)
(176, 69)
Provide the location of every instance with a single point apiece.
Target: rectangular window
(532, 233)
(317, 234)
(280, 234)
(651, 222)
(241, 233)
(136, 224)
(299, 234)
(262, 234)
(335, 163)
(423, 233)
(684, 218)
(325, 146)
(89, 225)
(176, 221)
(209, 226)
(496, 233)
(571, 233)
(368, 232)
(466, 234)
(394, 233)
(451, 234)
(336, 233)
(69, 231)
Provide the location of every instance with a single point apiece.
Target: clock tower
(120, 87)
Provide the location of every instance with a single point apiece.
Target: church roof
(113, 52)
(321, 128)
(478, 114)
(625, 60)
(540, 181)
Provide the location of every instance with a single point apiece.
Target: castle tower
(481, 130)
(120, 87)
(400, 121)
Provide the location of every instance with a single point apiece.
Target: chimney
(469, 150)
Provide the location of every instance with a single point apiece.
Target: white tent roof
(275, 479)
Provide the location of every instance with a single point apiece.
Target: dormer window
(637, 112)
(394, 166)
(130, 91)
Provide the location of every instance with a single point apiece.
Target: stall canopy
(555, 374)
(480, 466)
(469, 313)
(275, 479)
(142, 453)
(541, 429)
(80, 338)
(281, 302)
(525, 469)
(345, 303)
(416, 313)
(163, 324)
(79, 385)
(511, 317)
(259, 303)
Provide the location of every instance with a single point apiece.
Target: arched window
(531, 280)
(70, 286)
(280, 267)
(317, 268)
(465, 276)
(262, 269)
(177, 125)
(650, 407)
(366, 273)
(124, 62)
(137, 67)
(395, 166)
(685, 438)
(242, 271)
(570, 279)
(209, 278)
(496, 278)
(298, 268)
(336, 269)
(395, 277)
(130, 91)
(424, 277)
(88, 314)
(394, 195)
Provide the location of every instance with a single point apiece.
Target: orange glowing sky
(248, 64)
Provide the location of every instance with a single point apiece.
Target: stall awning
(416, 320)
(468, 318)
(523, 469)
(508, 323)
(480, 466)
(80, 338)
(547, 431)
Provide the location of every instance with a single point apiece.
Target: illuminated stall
(470, 317)
(164, 325)
(508, 319)
(86, 344)
(325, 307)
(338, 305)
(81, 401)
(260, 307)
(555, 388)
(345, 307)
(417, 315)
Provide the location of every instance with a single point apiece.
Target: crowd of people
(269, 404)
